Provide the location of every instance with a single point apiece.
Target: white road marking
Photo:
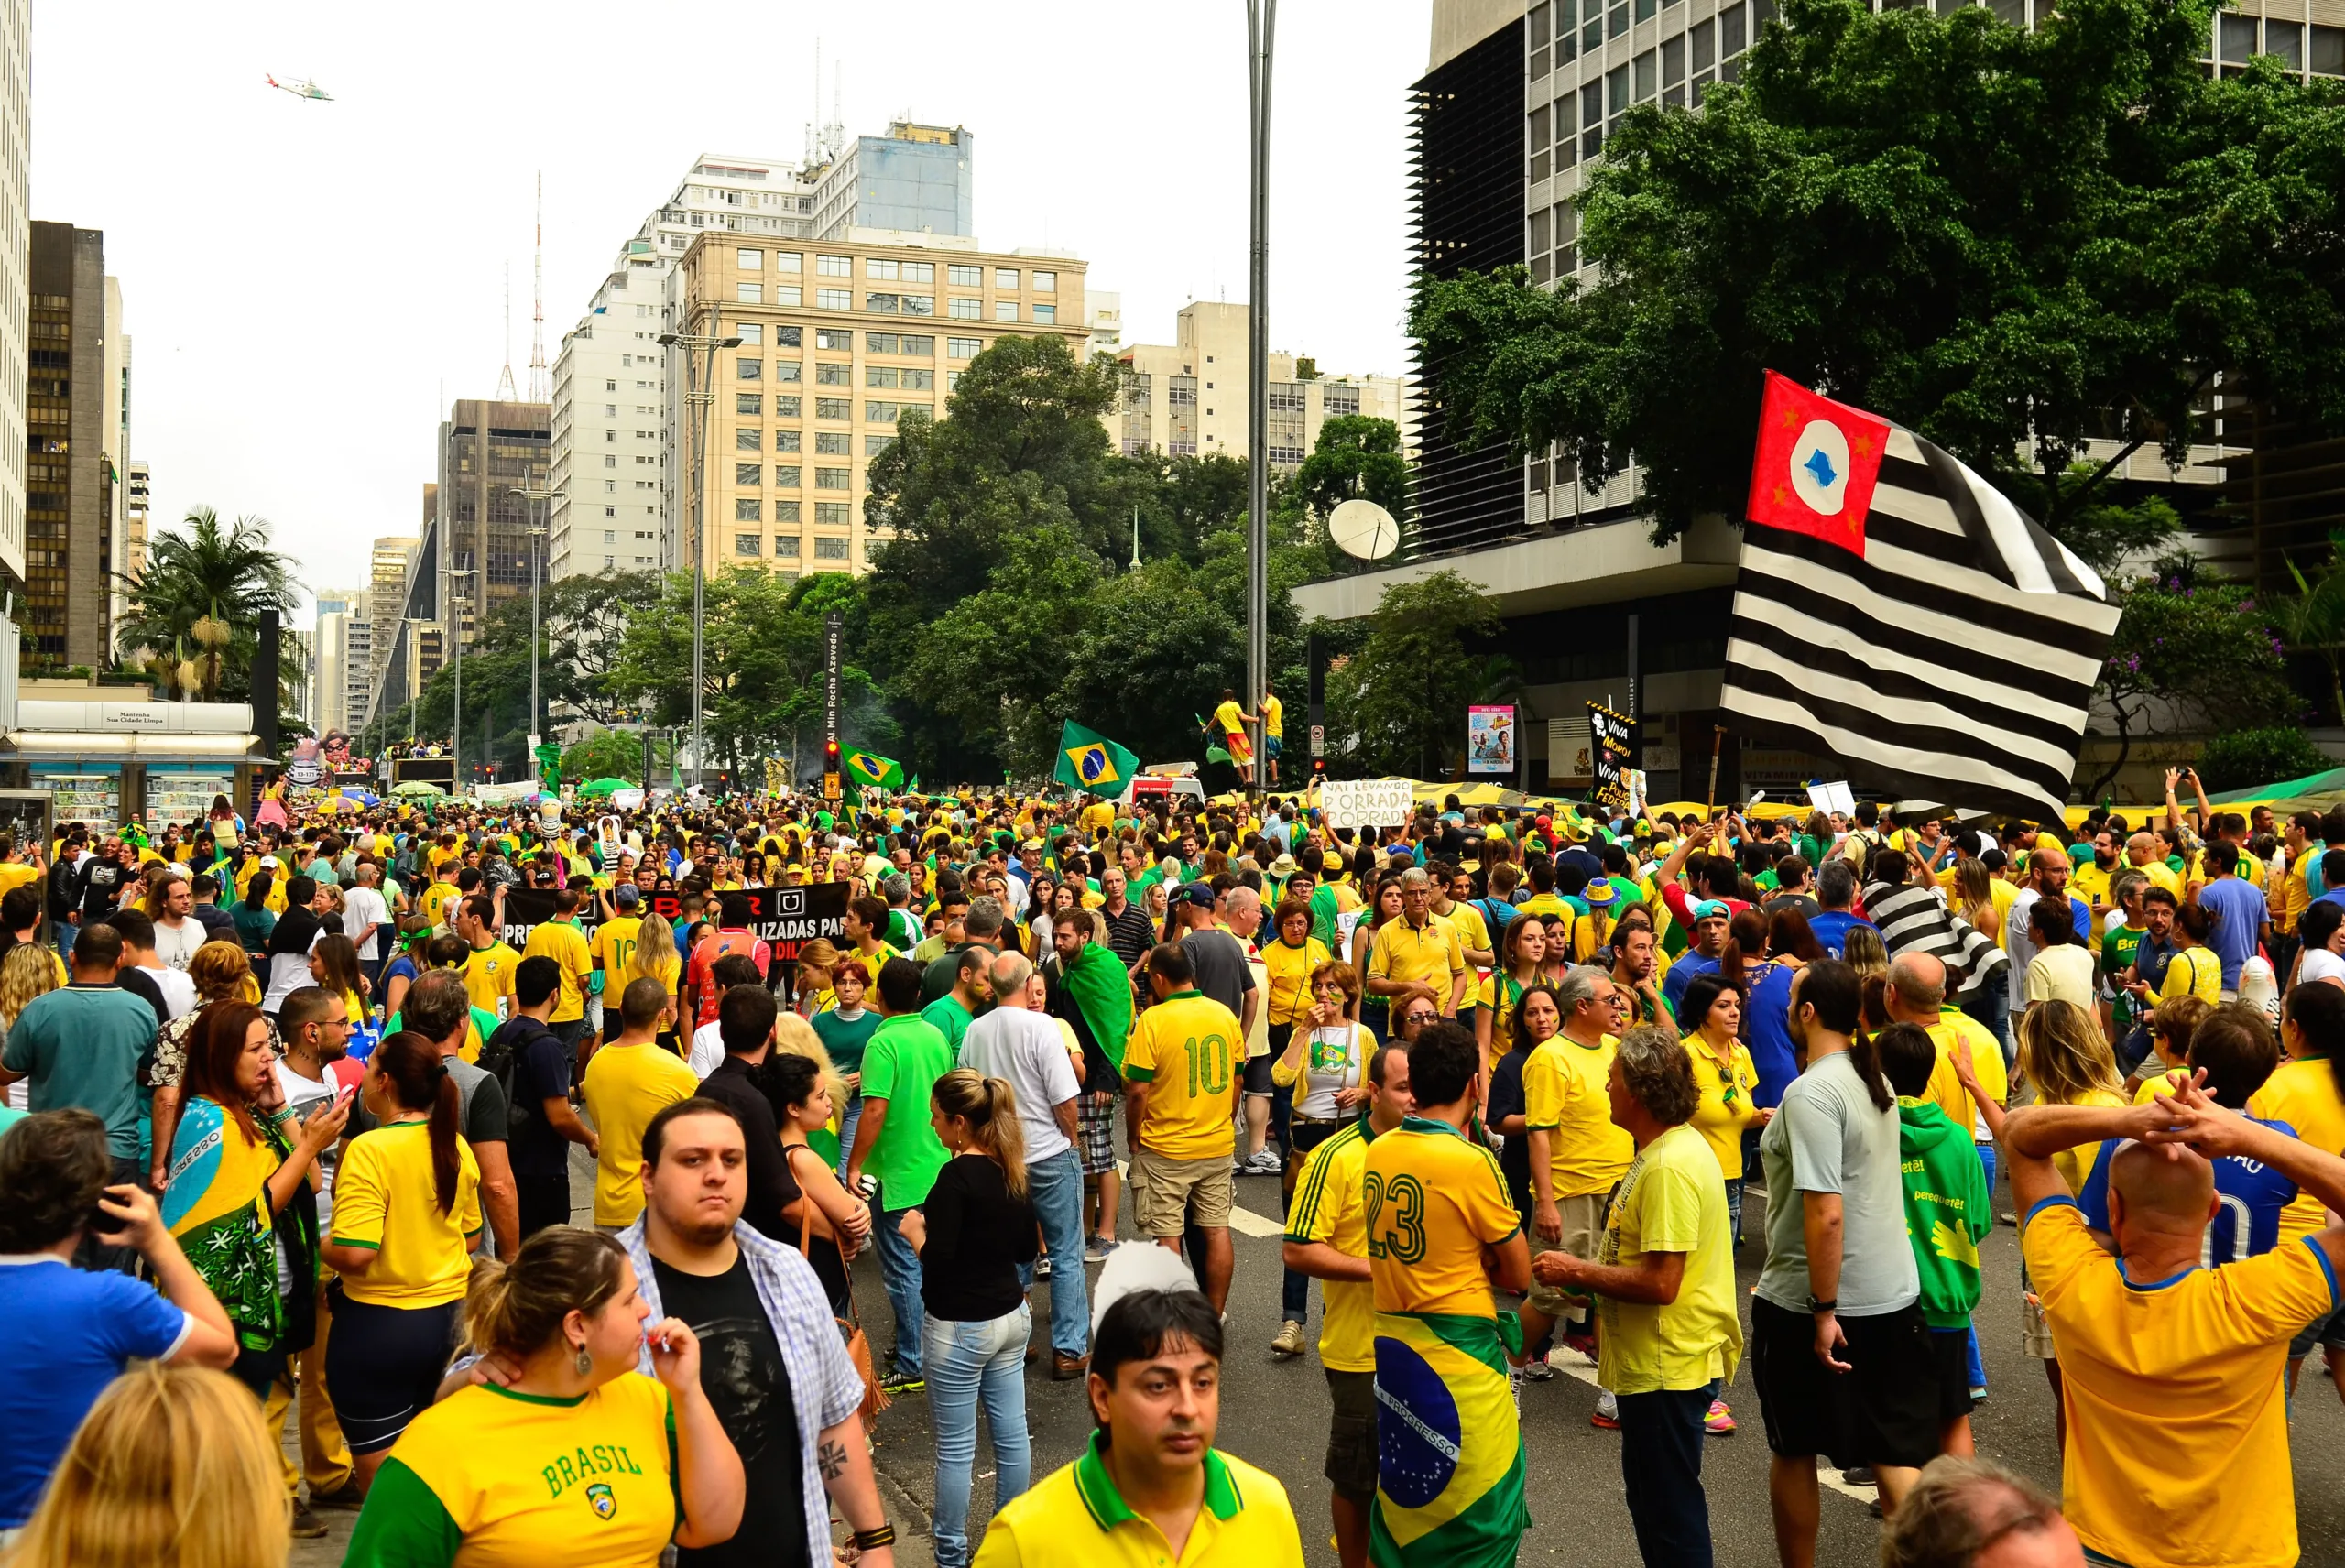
(1248, 1223)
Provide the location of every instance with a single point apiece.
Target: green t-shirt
(85, 1046)
(951, 1020)
(902, 1063)
(2118, 946)
(845, 1039)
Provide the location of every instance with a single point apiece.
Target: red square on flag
(1817, 464)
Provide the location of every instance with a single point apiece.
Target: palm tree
(194, 611)
(2312, 619)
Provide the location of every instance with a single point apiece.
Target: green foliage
(2188, 655)
(1355, 458)
(2312, 619)
(2244, 758)
(209, 577)
(1399, 706)
(2006, 239)
(613, 753)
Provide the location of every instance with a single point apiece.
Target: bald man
(2172, 1374)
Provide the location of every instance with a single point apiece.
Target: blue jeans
(1660, 1469)
(899, 1273)
(968, 1362)
(851, 1119)
(1054, 1186)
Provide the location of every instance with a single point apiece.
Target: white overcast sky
(303, 282)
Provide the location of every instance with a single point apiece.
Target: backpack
(500, 1058)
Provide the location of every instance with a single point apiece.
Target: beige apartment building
(1188, 398)
(841, 339)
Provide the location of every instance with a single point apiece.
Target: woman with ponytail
(976, 1227)
(405, 1219)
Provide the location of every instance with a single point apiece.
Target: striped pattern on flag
(1954, 661)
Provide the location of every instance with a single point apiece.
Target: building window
(880, 267)
(920, 304)
(835, 409)
(1005, 309)
(1046, 282)
(833, 299)
(785, 549)
(830, 549)
(919, 272)
(787, 261)
(748, 509)
(747, 544)
(879, 343)
(830, 513)
(2327, 52)
(789, 294)
(964, 310)
(880, 413)
(789, 337)
(749, 294)
(1647, 75)
(788, 476)
(785, 441)
(834, 265)
(831, 374)
(785, 512)
(965, 276)
(874, 445)
(1005, 277)
(1336, 401)
(785, 407)
(749, 369)
(839, 338)
(964, 348)
(748, 473)
(749, 438)
(832, 443)
(610, 461)
(748, 403)
(1046, 313)
(884, 304)
(1734, 19)
(786, 370)
(751, 333)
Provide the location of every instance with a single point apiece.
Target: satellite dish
(1364, 529)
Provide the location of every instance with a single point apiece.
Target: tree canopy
(2008, 240)
(191, 617)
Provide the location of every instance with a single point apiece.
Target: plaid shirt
(824, 1388)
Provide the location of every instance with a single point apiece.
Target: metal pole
(537, 625)
(1261, 21)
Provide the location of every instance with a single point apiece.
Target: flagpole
(1718, 739)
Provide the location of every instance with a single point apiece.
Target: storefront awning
(39, 746)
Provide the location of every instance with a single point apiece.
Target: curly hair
(1658, 1072)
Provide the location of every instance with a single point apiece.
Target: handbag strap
(805, 1204)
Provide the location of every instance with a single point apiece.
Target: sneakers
(1608, 1413)
(1720, 1422)
(897, 1383)
(1859, 1475)
(1042, 1268)
(349, 1494)
(1266, 1163)
(1288, 1341)
(307, 1525)
(1514, 1388)
(1095, 1250)
(1538, 1371)
(1584, 1341)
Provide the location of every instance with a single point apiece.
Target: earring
(586, 1362)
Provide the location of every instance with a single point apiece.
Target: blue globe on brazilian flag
(871, 768)
(1089, 760)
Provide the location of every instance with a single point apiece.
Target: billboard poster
(1491, 739)
(1613, 743)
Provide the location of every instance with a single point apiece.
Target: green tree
(2008, 240)
(2187, 655)
(2242, 759)
(1355, 458)
(1399, 705)
(192, 618)
(2312, 619)
(614, 754)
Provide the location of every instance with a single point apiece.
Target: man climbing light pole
(1261, 19)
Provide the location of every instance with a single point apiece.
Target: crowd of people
(295, 1106)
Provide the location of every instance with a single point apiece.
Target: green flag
(879, 772)
(1089, 760)
(549, 759)
(1213, 753)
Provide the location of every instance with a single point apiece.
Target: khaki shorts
(1170, 1192)
(1583, 1234)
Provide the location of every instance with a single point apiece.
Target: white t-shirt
(2063, 973)
(1335, 1058)
(304, 1097)
(177, 948)
(707, 1052)
(2320, 964)
(178, 991)
(1025, 1048)
(361, 907)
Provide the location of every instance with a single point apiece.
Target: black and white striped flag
(1895, 610)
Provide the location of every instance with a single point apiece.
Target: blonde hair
(516, 1308)
(794, 1036)
(220, 969)
(2065, 1055)
(990, 1107)
(1974, 884)
(1863, 949)
(655, 944)
(172, 1469)
(26, 972)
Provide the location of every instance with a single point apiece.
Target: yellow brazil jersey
(1329, 1207)
(1228, 716)
(1563, 1092)
(1289, 968)
(2193, 972)
(1499, 995)
(614, 945)
(1725, 1107)
(488, 975)
(1434, 1202)
(1075, 1517)
(871, 963)
(15, 874)
(1182, 1049)
(1473, 930)
(1273, 715)
(2178, 1447)
(2074, 1164)
(2303, 1094)
(562, 942)
(493, 1478)
(1430, 954)
(625, 1087)
(386, 1200)
(1985, 1062)
(1545, 904)
(1671, 1200)
(434, 902)
(2090, 883)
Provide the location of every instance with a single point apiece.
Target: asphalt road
(1274, 1414)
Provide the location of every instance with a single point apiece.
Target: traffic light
(832, 784)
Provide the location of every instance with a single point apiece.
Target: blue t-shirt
(2245, 1190)
(1771, 1034)
(1831, 929)
(1680, 975)
(2240, 911)
(91, 1325)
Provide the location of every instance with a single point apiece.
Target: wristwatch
(1815, 1306)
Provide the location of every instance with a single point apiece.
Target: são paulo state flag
(1817, 464)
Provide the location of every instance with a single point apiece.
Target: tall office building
(840, 339)
(1189, 398)
(15, 274)
(71, 414)
(916, 178)
(117, 453)
(134, 519)
(338, 647)
(386, 599)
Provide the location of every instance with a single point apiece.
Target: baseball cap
(1331, 861)
(1712, 909)
(1198, 893)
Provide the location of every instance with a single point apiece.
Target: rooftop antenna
(505, 392)
(1135, 538)
(540, 379)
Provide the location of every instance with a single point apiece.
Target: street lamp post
(1261, 20)
(700, 393)
(545, 499)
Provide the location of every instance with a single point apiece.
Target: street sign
(1318, 740)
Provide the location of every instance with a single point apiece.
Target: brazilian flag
(871, 768)
(1089, 760)
(1449, 1490)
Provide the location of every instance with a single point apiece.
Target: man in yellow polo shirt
(1181, 1085)
(1326, 1237)
(561, 940)
(1418, 954)
(1577, 1150)
(1155, 1391)
(488, 972)
(1663, 1281)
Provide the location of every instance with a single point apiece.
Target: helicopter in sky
(301, 89)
